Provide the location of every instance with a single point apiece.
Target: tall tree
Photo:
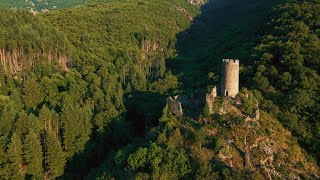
(33, 154)
(55, 160)
(49, 120)
(15, 158)
(76, 127)
(33, 94)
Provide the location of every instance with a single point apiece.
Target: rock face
(210, 99)
(174, 106)
(196, 2)
(16, 60)
(258, 142)
(149, 46)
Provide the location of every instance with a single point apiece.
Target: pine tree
(49, 119)
(33, 154)
(15, 157)
(76, 127)
(21, 128)
(55, 160)
(33, 94)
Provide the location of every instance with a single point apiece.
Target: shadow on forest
(143, 112)
(224, 29)
(217, 33)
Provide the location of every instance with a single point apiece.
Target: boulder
(210, 99)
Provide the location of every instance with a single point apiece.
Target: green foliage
(8, 114)
(288, 66)
(206, 111)
(41, 5)
(216, 35)
(218, 143)
(170, 82)
(33, 94)
(33, 155)
(15, 158)
(159, 162)
(200, 137)
(119, 52)
(70, 70)
(128, 33)
(249, 104)
(138, 159)
(55, 160)
(76, 127)
(26, 32)
(206, 172)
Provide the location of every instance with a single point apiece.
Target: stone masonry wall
(230, 77)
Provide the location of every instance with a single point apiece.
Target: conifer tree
(49, 119)
(76, 127)
(15, 157)
(33, 154)
(55, 160)
(33, 94)
(21, 128)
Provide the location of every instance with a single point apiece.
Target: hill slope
(40, 5)
(232, 143)
(70, 114)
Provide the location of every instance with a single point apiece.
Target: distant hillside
(45, 4)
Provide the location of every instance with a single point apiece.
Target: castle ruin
(230, 77)
(229, 88)
(175, 107)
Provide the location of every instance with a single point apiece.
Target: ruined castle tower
(230, 77)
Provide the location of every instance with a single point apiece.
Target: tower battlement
(231, 61)
(230, 77)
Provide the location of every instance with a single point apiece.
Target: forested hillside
(83, 90)
(25, 39)
(287, 70)
(53, 114)
(216, 148)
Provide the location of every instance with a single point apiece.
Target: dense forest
(83, 90)
(51, 114)
(287, 70)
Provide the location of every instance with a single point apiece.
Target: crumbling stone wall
(174, 106)
(210, 99)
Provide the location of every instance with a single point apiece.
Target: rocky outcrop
(225, 108)
(196, 2)
(260, 143)
(210, 99)
(175, 107)
(185, 12)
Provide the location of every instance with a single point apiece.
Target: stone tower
(230, 77)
